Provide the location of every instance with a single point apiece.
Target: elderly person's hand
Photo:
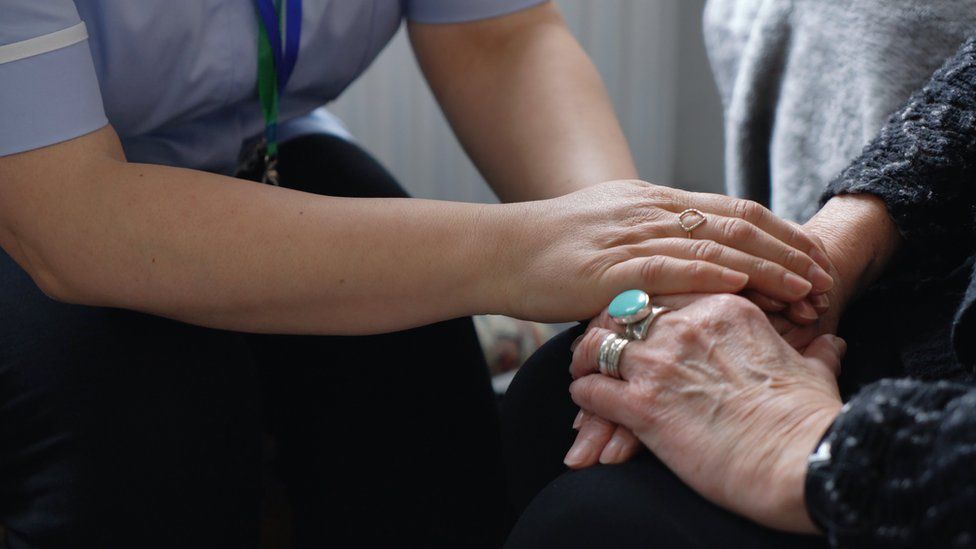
(721, 399)
(618, 235)
(860, 238)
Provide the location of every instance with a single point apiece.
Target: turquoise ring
(630, 307)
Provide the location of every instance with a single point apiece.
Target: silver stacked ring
(608, 358)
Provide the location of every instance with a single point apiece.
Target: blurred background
(651, 56)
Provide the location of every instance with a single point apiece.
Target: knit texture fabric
(902, 470)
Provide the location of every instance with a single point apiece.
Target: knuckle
(749, 210)
(654, 226)
(705, 250)
(760, 265)
(792, 257)
(738, 230)
(643, 217)
(671, 369)
(687, 333)
(796, 234)
(699, 271)
(656, 197)
(653, 267)
(733, 305)
(657, 192)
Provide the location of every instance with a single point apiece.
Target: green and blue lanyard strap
(276, 61)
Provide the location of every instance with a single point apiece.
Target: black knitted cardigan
(898, 465)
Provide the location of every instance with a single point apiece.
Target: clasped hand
(720, 397)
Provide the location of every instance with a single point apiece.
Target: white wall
(651, 56)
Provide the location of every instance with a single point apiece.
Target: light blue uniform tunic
(177, 78)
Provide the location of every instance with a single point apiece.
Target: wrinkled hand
(844, 269)
(721, 399)
(620, 235)
(860, 239)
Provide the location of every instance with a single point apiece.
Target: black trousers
(638, 504)
(120, 429)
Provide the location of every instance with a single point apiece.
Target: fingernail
(796, 284)
(820, 279)
(734, 279)
(820, 302)
(575, 344)
(805, 310)
(612, 450)
(840, 345)
(817, 255)
(575, 455)
(776, 304)
(578, 420)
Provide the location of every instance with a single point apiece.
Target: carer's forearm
(529, 107)
(231, 254)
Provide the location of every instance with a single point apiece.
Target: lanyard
(275, 65)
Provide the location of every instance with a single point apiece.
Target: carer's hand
(569, 256)
(723, 400)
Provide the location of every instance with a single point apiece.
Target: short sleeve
(48, 87)
(458, 11)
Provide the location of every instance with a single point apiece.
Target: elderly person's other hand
(721, 399)
(860, 239)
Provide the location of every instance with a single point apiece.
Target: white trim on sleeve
(43, 44)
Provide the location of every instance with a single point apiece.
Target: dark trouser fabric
(119, 429)
(638, 504)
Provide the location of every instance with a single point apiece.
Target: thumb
(826, 351)
(604, 396)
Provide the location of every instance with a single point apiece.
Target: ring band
(689, 227)
(601, 359)
(608, 359)
(639, 330)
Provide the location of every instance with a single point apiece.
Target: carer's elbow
(47, 279)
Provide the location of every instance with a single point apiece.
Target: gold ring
(699, 220)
